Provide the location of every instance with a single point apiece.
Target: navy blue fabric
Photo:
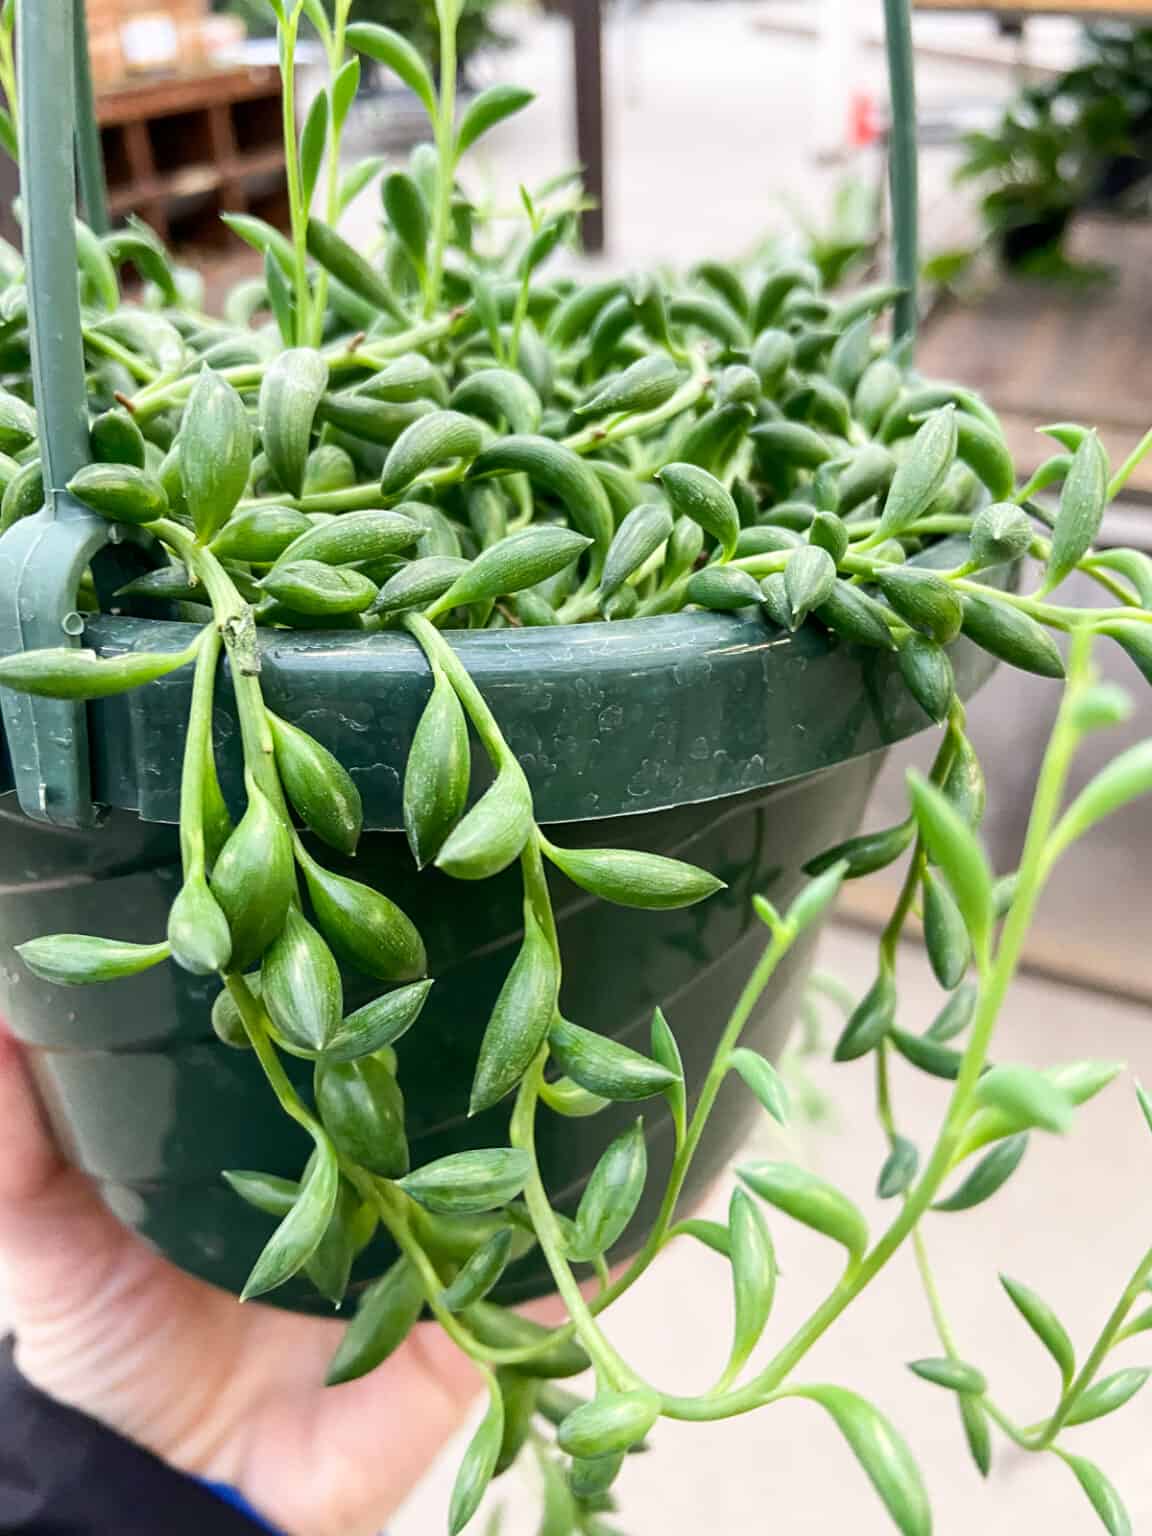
(238, 1501)
(63, 1474)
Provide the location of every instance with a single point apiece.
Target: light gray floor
(1072, 1224)
(1094, 927)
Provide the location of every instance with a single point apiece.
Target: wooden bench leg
(588, 65)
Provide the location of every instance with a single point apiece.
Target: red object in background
(865, 126)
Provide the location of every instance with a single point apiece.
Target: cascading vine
(437, 436)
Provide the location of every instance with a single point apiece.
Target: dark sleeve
(62, 1474)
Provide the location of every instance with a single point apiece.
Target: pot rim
(607, 719)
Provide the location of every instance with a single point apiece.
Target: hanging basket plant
(372, 614)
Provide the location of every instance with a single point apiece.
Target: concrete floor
(1072, 1224)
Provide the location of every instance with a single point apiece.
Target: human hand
(226, 1392)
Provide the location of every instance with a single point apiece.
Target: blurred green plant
(1080, 139)
(415, 20)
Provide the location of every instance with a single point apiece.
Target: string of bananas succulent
(437, 435)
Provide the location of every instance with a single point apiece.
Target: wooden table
(180, 149)
(1090, 10)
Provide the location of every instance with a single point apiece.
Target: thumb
(28, 1158)
(56, 1236)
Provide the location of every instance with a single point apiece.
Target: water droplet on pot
(686, 673)
(753, 770)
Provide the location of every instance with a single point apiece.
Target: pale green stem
(1041, 551)
(996, 979)
(160, 397)
(1052, 614)
(933, 1297)
(1109, 582)
(1130, 465)
(831, 987)
(1135, 1289)
(197, 749)
(779, 946)
(391, 1205)
(941, 523)
(336, 54)
(884, 1111)
(689, 393)
(668, 600)
(247, 377)
(256, 1028)
(890, 938)
(446, 144)
(8, 81)
(97, 341)
(235, 621)
(433, 643)
(519, 316)
(297, 211)
(948, 1340)
(611, 1369)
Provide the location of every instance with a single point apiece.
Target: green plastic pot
(708, 737)
(745, 750)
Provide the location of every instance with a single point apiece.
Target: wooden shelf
(261, 162)
(182, 149)
(195, 180)
(1098, 10)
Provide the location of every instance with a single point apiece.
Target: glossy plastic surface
(749, 750)
(607, 719)
(152, 1105)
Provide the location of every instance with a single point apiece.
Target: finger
(366, 1444)
(411, 1406)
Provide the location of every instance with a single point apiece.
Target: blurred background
(707, 128)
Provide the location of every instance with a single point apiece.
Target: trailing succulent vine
(436, 437)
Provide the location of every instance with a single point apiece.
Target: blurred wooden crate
(123, 32)
(181, 149)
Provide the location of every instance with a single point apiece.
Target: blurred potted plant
(1033, 168)
(1078, 140)
(1112, 89)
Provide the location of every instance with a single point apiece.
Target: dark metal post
(588, 59)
